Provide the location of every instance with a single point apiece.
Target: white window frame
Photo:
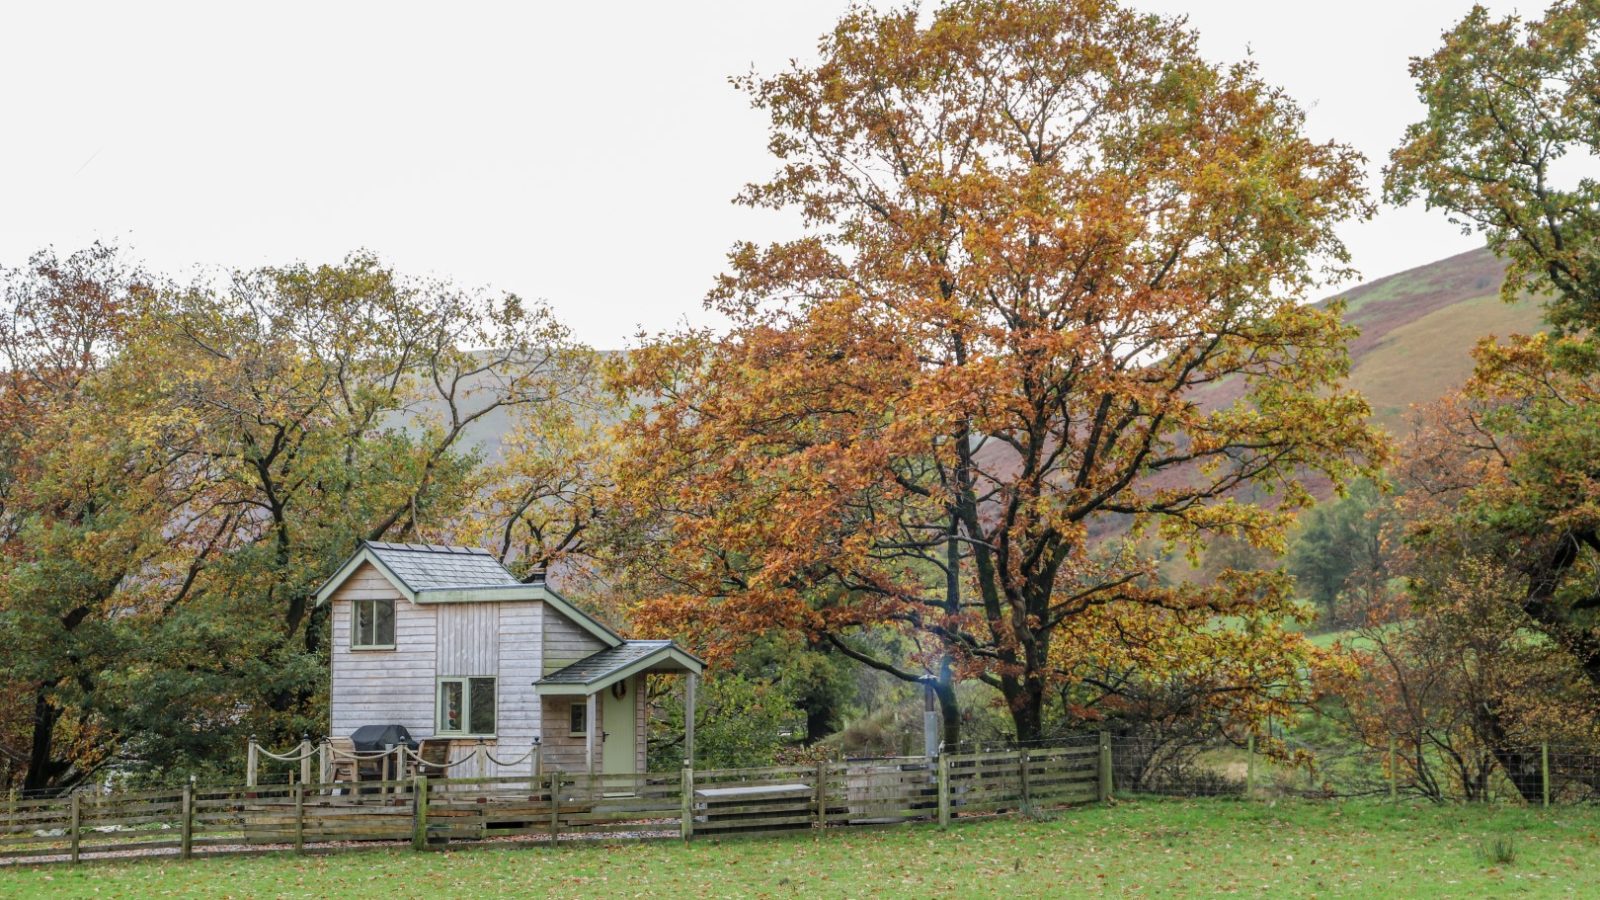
(355, 622)
(466, 706)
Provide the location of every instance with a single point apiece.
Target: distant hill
(1417, 330)
(1419, 326)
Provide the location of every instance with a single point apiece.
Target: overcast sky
(584, 153)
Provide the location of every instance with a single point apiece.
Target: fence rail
(552, 807)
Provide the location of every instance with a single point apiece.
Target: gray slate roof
(426, 567)
(596, 666)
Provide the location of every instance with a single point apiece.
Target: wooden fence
(551, 807)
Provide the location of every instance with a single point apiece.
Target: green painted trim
(355, 617)
(466, 707)
(351, 565)
(568, 689)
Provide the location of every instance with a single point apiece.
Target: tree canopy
(1049, 298)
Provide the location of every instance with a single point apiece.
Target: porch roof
(606, 667)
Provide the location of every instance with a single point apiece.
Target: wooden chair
(435, 753)
(341, 766)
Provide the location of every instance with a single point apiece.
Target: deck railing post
(250, 759)
(1104, 792)
(480, 762)
(944, 789)
(419, 803)
(186, 840)
(324, 760)
(687, 828)
(77, 822)
(305, 759)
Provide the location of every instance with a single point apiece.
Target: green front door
(620, 723)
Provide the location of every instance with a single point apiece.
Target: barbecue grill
(378, 738)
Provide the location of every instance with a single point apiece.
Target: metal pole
(1544, 769)
(1394, 775)
(1105, 766)
(1250, 765)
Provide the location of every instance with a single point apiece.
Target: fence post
(419, 805)
(250, 759)
(1105, 767)
(1249, 766)
(186, 841)
(555, 806)
(1544, 769)
(480, 762)
(1027, 792)
(538, 758)
(1394, 777)
(305, 759)
(687, 828)
(944, 789)
(299, 817)
(77, 820)
(822, 795)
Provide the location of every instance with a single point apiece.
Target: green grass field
(1154, 848)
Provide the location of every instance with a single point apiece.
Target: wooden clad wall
(371, 687)
(565, 643)
(469, 639)
(520, 626)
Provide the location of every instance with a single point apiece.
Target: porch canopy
(598, 671)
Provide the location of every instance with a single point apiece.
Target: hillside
(1419, 326)
(1417, 330)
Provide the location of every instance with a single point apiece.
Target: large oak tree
(1049, 299)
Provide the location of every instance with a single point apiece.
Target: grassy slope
(1159, 848)
(1418, 328)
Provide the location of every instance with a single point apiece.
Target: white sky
(584, 153)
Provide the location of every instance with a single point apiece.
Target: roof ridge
(428, 548)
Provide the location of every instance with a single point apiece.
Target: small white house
(448, 643)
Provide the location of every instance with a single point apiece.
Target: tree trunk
(1025, 697)
(949, 711)
(43, 768)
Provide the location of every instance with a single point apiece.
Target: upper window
(466, 706)
(373, 625)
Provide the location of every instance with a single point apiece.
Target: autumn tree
(1048, 300)
(81, 508)
(1508, 148)
(190, 461)
(1508, 464)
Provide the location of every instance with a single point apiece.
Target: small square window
(579, 720)
(372, 627)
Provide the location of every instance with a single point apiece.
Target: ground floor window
(467, 706)
(579, 721)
